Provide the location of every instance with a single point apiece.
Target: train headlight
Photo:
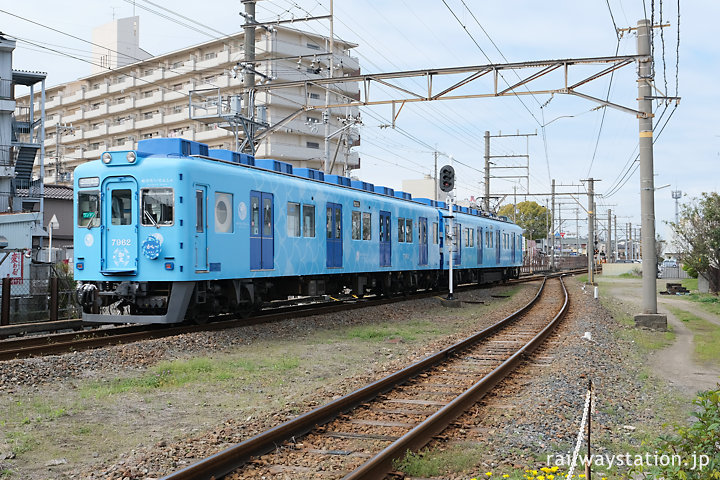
(131, 157)
(106, 157)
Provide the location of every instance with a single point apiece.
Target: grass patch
(409, 331)
(634, 273)
(178, 373)
(690, 283)
(20, 442)
(707, 301)
(429, 463)
(706, 336)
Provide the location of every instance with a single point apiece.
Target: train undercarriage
(176, 302)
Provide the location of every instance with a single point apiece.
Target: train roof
(180, 147)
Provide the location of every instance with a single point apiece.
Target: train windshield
(157, 206)
(88, 209)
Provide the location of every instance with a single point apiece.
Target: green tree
(698, 234)
(531, 216)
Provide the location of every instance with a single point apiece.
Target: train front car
(128, 241)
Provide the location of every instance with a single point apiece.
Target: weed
(428, 463)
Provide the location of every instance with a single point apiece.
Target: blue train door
(334, 235)
(119, 243)
(201, 257)
(497, 247)
(480, 245)
(262, 237)
(385, 239)
(423, 241)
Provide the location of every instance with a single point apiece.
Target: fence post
(5, 311)
(53, 299)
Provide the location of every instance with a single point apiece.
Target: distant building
(113, 110)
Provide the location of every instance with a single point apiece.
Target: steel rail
(230, 459)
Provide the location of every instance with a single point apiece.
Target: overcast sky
(579, 140)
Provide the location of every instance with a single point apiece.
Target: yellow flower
(554, 469)
(506, 476)
(489, 474)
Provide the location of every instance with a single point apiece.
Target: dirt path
(688, 306)
(674, 363)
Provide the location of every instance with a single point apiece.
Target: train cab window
(436, 235)
(367, 226)
(409, 230)
(401, 229)
(267, 217)
(356, 225)
(255, 215)
(223, 212)
(293, 219)
(121, 207)
(309, 221)
(88, 209)
(157, 206)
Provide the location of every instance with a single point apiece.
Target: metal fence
(31, 299)
(672, 272)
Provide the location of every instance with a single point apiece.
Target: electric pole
(486, 203)
(591, 230)
(552, 230)
(326, 112)
(608, 248)
(249, 71)
(676, 195)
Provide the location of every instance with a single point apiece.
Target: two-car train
(174, 231)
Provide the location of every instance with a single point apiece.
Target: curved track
(359, 435)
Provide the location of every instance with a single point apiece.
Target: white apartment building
(115, 109)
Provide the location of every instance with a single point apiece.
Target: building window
(313, 46)
(96, 106)
(312, 144)
(120, 79)
(94, 146)
(314, 96)
(178, 108)
(148, 71)
(119, 141)
(308, 220)
(210, 56)
(293, 219)
(95, 86)
(178, 64)
(96, 126)
(148, 115)
(177, 86)
(147, 93)
(120, 101)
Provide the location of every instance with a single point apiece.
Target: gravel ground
(167, 449)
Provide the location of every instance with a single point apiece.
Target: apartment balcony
(156, 97)
(174, 95)
(102, 110)
(75, 136)
(187, 68)
(77, 96)
(129, 82)
(128, 145)
(126, 126)
(158, 74)
(75, 117)
(55, 102)
(51, 122)
(102, 89)
(128, 104)
(155, 121)
(96, 132)
(212, 134)
(93, 154)
(176, 117)
(222, 58)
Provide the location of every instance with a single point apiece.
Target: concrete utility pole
(249, 70)
(608, 247)
(577, 231)
(676, 195)
(615, 252)
(435, 154)
(547, 227)
(552, 230)
(591, 231)
(486, 202)
(649, 316)
(326, 112)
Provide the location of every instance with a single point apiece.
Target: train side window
(409, 230)
(382, 229)
(88, 209)
(367, 226)
(200, 221)
(157, 206)
(436, 235)
(338, 222)
(293, 219)
(328, 222)
(309, 221)
(488, 239)
(401, 229)
(255, 215)
(356, 225)
(121, 207)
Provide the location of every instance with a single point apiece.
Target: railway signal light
(447, 178)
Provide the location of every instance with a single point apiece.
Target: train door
(119, 243)
(514, 258)
(334, 235)
(201, 256)
(385, 239)
(457, 242)
(262, 237)
(497, 247)
(479, 243)
(423, 241)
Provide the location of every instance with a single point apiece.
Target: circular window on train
(223, 212)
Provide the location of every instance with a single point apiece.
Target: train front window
(121, 207)
(88, 209)
(157, 206)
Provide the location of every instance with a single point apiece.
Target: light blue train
(174, 231)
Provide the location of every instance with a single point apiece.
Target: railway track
(359, 435)
(37, 339)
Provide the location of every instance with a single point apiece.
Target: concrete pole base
(454, 303)
(653, 321)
